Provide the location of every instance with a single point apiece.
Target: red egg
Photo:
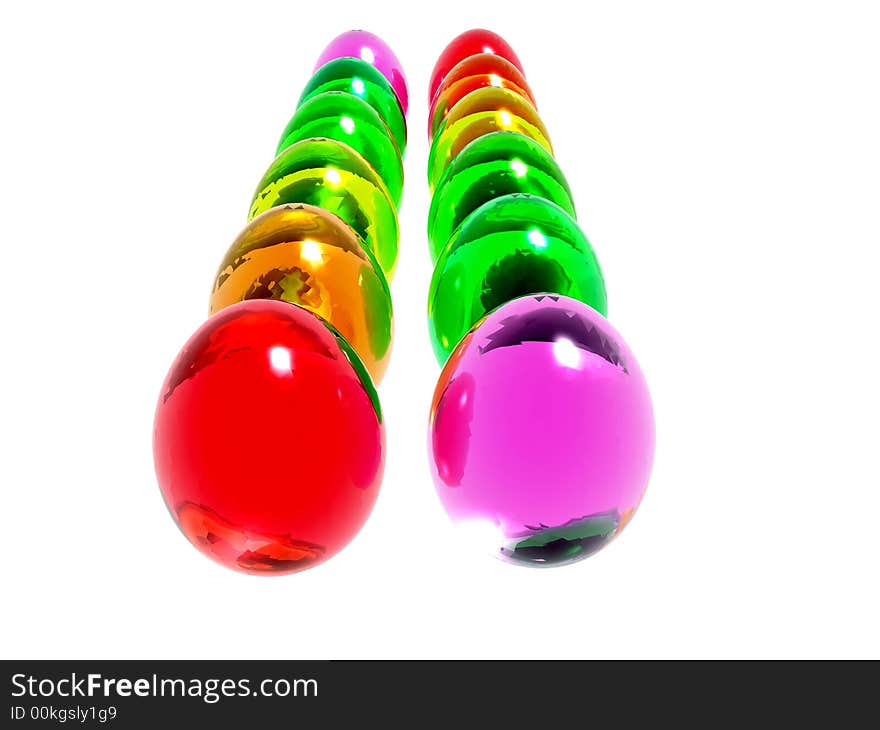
(268, 439)
(469, 43)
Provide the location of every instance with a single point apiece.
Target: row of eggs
(541, 426)
(269, 440)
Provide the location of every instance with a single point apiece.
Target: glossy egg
(484, 66)
(496, 164)
(460, 89)
(354, 76)
(509, 247)
(349, 119)
(304, 255)
(370, 48)
(459, 130)
(268, 440)
(541, 433)
(469, 43)
(335, 177)
(493, 99)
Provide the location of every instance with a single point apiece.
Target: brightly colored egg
(354, 76)
(460, 90)
(335, 177)
(541, 432)
(370, 48)
(304, 255)
(509, 247)
(494, 99)
(268, 440)
(460, 130)
(496, 164)
(350, 120)
(469, 43)
(486, 67)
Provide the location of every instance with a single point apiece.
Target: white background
(725, 161)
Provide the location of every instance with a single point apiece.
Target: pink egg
(541, 432)
(372, 49)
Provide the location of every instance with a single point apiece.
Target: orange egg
(304, 255)
(474, 72)
(482, 112)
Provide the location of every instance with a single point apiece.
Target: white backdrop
(724, 160)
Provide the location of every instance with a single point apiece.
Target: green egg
(354, 76)
(491, 166)
(507, 248)
(352, 121)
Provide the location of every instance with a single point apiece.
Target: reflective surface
(493, 99)
(372, 49)
(511, 246)
(469, 43)
(494, 68)
(460, 89)
(334, 177)
(541, 432)
(354, 76)
(493, 165)
(268, 443)
(304, 255)
(457, 134)
(351, 120)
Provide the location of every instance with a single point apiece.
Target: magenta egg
(372, 49)
(541, 432)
